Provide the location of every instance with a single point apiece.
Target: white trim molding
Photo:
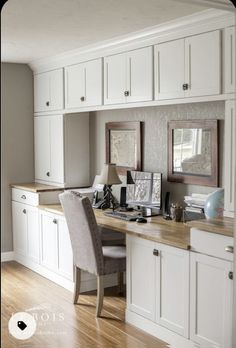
(206, 20)
(7, 256)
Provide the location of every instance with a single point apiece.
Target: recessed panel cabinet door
(169, 70)
(75, 85)
(173, 289)
(211, 301)
(65, 258)
(48, 91)
(140, 74)
(56, 149)
(49, 242)
(33, 233)
(141, 280)
(19, 225)
(115, 79)
(203, 64)
(42, 147)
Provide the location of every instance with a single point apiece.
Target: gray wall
(16, 138)
(154, 138)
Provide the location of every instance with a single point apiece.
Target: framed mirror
(193, 152)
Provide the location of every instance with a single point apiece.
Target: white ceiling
(33, 29)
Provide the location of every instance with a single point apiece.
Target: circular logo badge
(22, 325)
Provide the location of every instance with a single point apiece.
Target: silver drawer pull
(229, 249)
(23, 197)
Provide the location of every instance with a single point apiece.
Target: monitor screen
(144, 188)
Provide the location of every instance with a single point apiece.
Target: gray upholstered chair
(88, 253)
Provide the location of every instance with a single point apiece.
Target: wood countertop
(36, 187)
(223, 226)
(157, 229)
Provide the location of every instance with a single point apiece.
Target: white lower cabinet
(25, 230)
(158, 283)
(56, 253)
(211, 301)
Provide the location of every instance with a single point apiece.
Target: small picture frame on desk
(123, 145)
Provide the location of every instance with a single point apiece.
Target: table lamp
(108, 178)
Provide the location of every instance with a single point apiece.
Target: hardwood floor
(61, 324)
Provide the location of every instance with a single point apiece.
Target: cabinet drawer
(211, 244)
(25, 197)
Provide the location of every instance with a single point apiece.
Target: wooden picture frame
(123, 145)
(193, 157)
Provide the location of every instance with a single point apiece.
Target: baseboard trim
(7, 256)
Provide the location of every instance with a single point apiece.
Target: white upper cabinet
(48, 91)
(83, 84)
(229, 60)
(49, 153)
(128, 77)
(169, 70)
(62, 149)
(189, 67)
(203, 64)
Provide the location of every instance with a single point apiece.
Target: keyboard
(122, 216)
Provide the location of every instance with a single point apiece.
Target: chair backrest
(83, 230)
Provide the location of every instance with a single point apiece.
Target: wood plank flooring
(60, 324)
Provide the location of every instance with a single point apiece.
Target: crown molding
(206, 20)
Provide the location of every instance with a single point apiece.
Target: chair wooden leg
(100, 295)
(120, 282)
(77, 278)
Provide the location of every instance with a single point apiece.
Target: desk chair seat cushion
(114, 259)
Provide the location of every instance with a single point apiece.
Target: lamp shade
(109, 175)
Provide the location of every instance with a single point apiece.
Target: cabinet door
(173, 289)
(33, 233)
(141, 284)
(230, 144)
(203, 64)
(65, 258)
(41, 92)
(140, 74)
(42, 147)
(75, 85)
(169, 70)
(56, 150)
(48, 91)
(93, 82)
(229, 59)
(115, 79)
(49, 241)
(210, 301)
(19, 225)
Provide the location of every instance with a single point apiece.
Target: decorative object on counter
(176, 212)
(214, 206)
(108, 178)
(123, 145)
(193, 152)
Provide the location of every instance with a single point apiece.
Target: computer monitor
(144, 189)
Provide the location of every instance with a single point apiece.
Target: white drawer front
(212, 244)
(26, 197)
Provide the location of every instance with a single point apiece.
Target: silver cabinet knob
(54, 221)
(229, 249)
(82, 99)
(155, 252)
(24, 211)
(47, 103)
(231, 275)
(126, 93)
(23, 196)
(48, 173)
